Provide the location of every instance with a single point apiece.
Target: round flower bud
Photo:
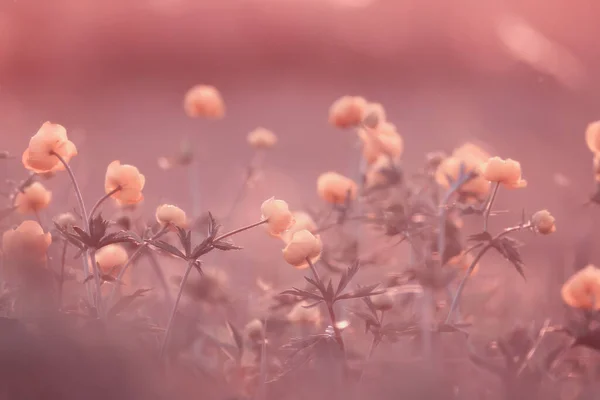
(582, 290)
(128, 180)
(168, 214)
(204, 101)
(111, 259)
(262, 138)
(543, 222)
(278, 214)
(347, 111)
(303, 221)
(33, 198)
(335, 188)
(49, 140)
(383, 301)
(506, 172)
(65, 220)
(592, 137)
(302, 247)
(27, 243)
(255, 330)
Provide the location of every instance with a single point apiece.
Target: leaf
(237, 337)
(347, 276)
(98, 227)
(480, 237)
(213, 226)
(225, 246)
(185, 241)
(116, 237)
(329, 295)
(304, 294)
(361, 292)
(167, 247)
(126, 301)
(201, 249)
(365, 317)
(83, 236)
(316, 284)
(508, 247)
(370, 306)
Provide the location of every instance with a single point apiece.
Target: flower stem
(99, 203)
(242, 229)
(161, 276)
(488, 207)
(61, 282)
(165, 342)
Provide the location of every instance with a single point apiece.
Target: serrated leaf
(366, 317)
(167, 247)
(225, 246)
(126, 301)
(304, 294)
(480, 237)
(83, 236)
(361, 292)
(316, 284)
(347, 277)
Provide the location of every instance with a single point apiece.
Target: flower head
(33, 198)
(65, 220)
(168, 214)
(582, 290)
(383, 301)
(50, 139)
(543, 222)
(335, 188)
(592, 137)
(506, 172)
(347, 111)
(477, 187)
(303, 220)
(111, 259)
(204, 101)
(262, 138)
(278, 214)
(27, 242)
(383, 140)
(303, 245)
(374, 115)
(128, 180)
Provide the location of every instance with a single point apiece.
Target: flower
(543, 222)
(374, 114)
(347, 111)
(582, 290)
(592, 137)
(597, 167)
(65, 220)
(382, 140)
(303, 245)
(379, 173)
(301, 313)
(507, 172)
(33, 198)
(278, 215)
(27, 242)
(204, 101)
(477, 187)
(111, 259)
(168, 214)
(303, 220)
(262, 138)
(383, 301)
(49, 140)
(255, 330)
(335, 188)
(127, 179)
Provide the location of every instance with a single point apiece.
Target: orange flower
(168, 214)
(543, 222)
(278, 214)
(262, 138)
(128, 179)
(27, 242)
(507, 172)
(597, 167)
(347, 111)
(383, 140)
(335, 188)
(302, 220)
(303, 245)
(592, 137)
(374, 115)
(383, 301)
(375, 175)
(111, 259)
(34, 198)
(478, 187)
(204, 101)
(582, 290)
(50, 138)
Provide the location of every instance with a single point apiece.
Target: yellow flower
(204, 101)
(278, 214)
(383, 301)
(477, 187)
(128, 179)
(383, 140)
(40, 154)
(303, 245)
(168, 214)
(592, 137)
(302, 220)
(34, 198)
(582, 290)
(111, 259)
(543, 222)
(506, 172)
(262, 138)
(347, 111)
(27, 242)
(335, 188)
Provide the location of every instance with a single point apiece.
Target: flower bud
(27, 243)
(65, 220)
(592, 137)
(303, 221)
(302, 247)
(204, 101)
(335, 188)
(507, 172)
(278, 214)
(582, 290)
(33, 199)
(262, 138)
(543, 222)
(347, 111)
(168, 214)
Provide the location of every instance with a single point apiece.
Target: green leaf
(126, 301)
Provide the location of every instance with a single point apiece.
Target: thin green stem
(242, 229)
(169, 328)
(488, 207)
(61, 281)
(99, 203)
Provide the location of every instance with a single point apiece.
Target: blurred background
(517, 75)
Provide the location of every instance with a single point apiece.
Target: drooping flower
(40, 155)
(204, 101)
(278, 214)
(168, 214)
(303, 245)
(507, 172)
(303, 220)
(335, 188)
(262, 138)
(27, 242)
(592, 137)
(582, 290)
(383, 140)
(128, 180)
(347, 111)
(33, 198)
(543, 222)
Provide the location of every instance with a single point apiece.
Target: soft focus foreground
(412, 184)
